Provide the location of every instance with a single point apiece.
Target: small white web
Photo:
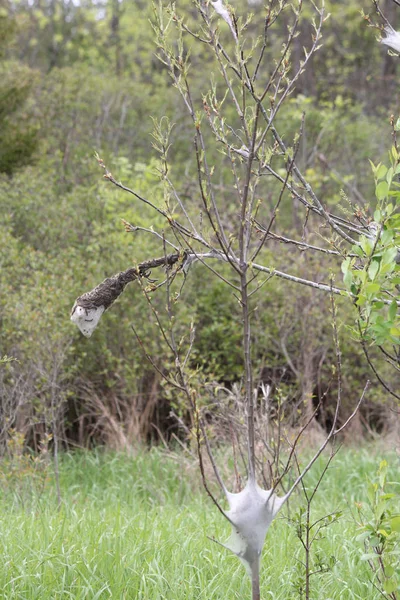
(86, 318)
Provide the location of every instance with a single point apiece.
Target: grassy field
(136, 527)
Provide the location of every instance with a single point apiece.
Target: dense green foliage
(137, 528)
(80, 78)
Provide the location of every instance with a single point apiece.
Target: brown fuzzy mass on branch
(89, 307)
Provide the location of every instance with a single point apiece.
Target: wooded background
(76, 78)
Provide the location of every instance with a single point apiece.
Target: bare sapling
(243, 178)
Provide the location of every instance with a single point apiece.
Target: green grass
(137, 527)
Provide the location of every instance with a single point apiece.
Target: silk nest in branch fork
(393, 38)
(251, 512)
(223, 12)
(86, 318)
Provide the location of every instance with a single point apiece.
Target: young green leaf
(382, 190)
(393, 311)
